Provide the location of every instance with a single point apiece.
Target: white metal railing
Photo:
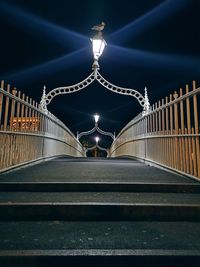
(28, 134)
(168, 135)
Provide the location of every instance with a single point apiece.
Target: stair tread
(80, 179)
(73, 235)
(98, 252)
(111, 182)
(99, 197)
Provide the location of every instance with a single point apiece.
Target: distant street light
(96, 128)
(97, 140)
(96, 118)
(97, 146)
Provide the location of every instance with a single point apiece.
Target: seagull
(99, 27)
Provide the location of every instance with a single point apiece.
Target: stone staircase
(97, 212)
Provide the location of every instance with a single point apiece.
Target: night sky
(150, 43)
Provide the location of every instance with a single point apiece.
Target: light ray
(52, 66)
(55, 33)
(154, 60)
(151, 18)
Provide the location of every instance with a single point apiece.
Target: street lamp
(98, 45)
(97, 140)
(97, 146)
(96, 118)
(96, 128)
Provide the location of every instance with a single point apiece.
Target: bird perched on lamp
(99, 27)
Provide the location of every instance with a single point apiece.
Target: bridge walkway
(99, 211)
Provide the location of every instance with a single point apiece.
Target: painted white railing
(27, 134)
(168, 135)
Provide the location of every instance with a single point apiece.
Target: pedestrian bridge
(140, 205)
(166, 135)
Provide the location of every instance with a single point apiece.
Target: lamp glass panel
(98, 47)
(96, 118)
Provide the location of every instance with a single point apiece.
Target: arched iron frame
(99, 147)
(95, 75)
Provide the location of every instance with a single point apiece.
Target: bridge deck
(97, 207)
(93, 170)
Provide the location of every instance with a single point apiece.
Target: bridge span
(124, 208)
(98, 211)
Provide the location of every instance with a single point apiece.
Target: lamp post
(98, 45)
(97, 146)
(95, 150)
(96, 128)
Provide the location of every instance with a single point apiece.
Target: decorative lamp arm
(91, 148)
(86, 133)
(105, 133)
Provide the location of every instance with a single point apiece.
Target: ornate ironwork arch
(95, 75)
(98, 45)
(120, 90)
(96, 128)
(99, 147)
(69, 89)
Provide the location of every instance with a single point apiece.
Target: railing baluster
(153, 115)
(33, 117)
(194, 153)
(182, 152)
(196, 125)
(171, 132)
(156, 120)
(167, 132)
(26, 115)
(189, 129)
(22, 114)
(6, 109)
(177, 160)
(163, 130)
(18, 111)
(159, 117)
(1, 101)
(187, 151)
(29, 116)
(12, 114)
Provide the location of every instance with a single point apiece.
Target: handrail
(168, 135)
(28, 134)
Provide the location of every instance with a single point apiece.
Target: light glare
(96, 118)
(97, 139)
(98, 46)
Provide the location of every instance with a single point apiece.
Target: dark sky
(151, 43)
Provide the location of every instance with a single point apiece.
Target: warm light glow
(98, 47)
(97, 139)
(96, 118)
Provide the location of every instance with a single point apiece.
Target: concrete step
(105, 211)
(39, 243)
(85, 258)
(100, 198)
(99, 206)
(100, 187)
(99, 210)
(108, 235)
